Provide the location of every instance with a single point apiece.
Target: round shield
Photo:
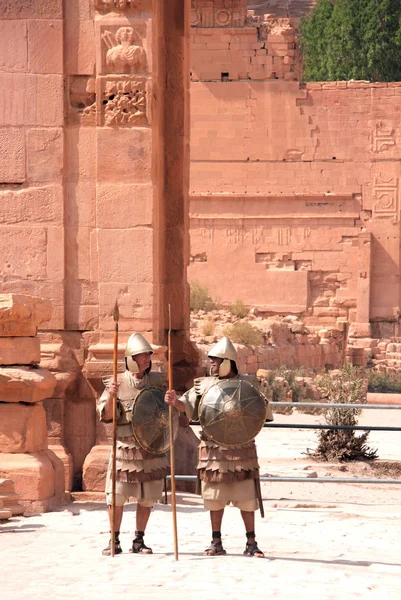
(232, 412)
(150, 421)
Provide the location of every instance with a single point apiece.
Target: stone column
(361, 327)
(24, 455)
(142, 160)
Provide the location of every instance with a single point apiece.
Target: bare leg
(249, 521)
(216, 518)
(142, 518)
(118, 516)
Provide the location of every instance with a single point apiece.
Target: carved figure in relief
(123, 53)
(125, 103)
(226, 403)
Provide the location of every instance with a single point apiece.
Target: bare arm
(172, 400)
(108, 405)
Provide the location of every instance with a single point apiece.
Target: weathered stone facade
(294, 194)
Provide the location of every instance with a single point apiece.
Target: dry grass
(243, 333)
(208, 327)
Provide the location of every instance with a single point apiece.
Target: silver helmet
(224, 349)
(136, 344)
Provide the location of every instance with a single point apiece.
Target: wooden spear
(172, 459)
(116, 316)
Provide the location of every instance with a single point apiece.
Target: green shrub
(345, 387)
(243, 333)
(199, 298)
(238, 309)
(275, 392)
(383, 382)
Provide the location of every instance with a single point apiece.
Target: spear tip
(116, 312)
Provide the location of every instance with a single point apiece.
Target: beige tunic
(133, 464)
(218, 464)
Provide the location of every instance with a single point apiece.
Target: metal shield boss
(150, 421)
(232, 412)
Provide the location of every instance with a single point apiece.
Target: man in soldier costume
(226, 474)
(139, 474)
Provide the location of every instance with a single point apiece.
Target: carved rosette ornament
(123, 101)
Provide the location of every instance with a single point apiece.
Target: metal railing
(322, 405)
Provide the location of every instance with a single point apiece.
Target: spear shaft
(172, 459)
(116, 317)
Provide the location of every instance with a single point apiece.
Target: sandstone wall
(93, 169)
(297, 188)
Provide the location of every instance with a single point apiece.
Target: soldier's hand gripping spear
(116, 316)
(171, 427)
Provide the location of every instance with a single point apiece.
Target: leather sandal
(117, 546)
(215, 549)
(251, 549)
(139, 547)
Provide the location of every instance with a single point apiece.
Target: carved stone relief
(218, 13)
(112, 101)
(118, 5)
(122, 50)
(386, 197)
(123, 101)
(383, 137)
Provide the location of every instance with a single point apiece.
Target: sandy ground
(322, 540)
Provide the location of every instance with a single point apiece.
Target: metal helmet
(224, 349)
(136, 345)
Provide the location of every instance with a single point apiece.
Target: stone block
(117, 263)
(19, 350)
(15, 263)
(20, 314)
(11, 502)
(130, 157)
(31, 9)
(13, 56)
(13, 88)
(121, 205)
(135, 306)
(25, 384)
(46, 100)
(32, 473)
(45, 46)
(80, 47)
(45, 160)
(12, 154)
(22, 428)
(45, 289)
(38, 479)
(34, 205)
